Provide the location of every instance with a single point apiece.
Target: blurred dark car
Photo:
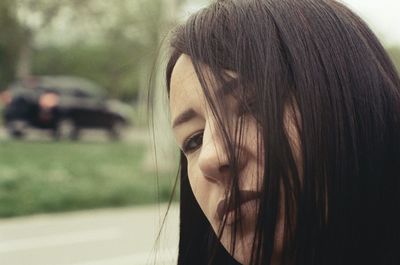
(64, 105)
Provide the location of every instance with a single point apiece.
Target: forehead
(185, 86)
(183, 71)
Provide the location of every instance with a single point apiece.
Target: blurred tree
(125, 48)
(10, 41)
(114, 43)
(35, 16)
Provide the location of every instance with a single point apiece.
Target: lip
(244, 196)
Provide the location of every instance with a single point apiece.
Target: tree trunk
(24, 63)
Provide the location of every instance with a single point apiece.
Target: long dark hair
(317, 58)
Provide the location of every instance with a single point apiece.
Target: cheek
(254, 157)
(201, 189)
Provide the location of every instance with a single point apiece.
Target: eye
(192, 143)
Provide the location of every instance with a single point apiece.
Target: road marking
(163, 257)
(60, 239)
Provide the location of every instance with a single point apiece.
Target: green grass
(37, 177)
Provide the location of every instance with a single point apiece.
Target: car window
(80, 94)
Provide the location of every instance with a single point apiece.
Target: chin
(243, 246)
(245, 241)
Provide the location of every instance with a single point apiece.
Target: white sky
(383, 16)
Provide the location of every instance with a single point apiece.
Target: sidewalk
(97, 237)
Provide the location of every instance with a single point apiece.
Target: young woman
(287, 114)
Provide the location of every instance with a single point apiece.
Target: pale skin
(195, 130)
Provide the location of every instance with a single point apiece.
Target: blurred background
(82, 178)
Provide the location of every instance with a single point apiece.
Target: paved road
(99, 237)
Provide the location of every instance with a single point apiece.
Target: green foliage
(114, 43)
(10, 39)
(112, 66)
(62, 176)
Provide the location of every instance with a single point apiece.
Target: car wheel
(66, 129)
(115, 131)
(17, 129)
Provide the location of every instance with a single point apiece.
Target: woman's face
(196, 132)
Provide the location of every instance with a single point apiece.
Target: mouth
(224, 207)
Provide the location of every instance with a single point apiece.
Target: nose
(213, 159)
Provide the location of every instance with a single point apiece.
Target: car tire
(115, 132)
(66, 129)
(16, 129)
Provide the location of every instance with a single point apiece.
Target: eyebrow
(227, 88)
(184, 117)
